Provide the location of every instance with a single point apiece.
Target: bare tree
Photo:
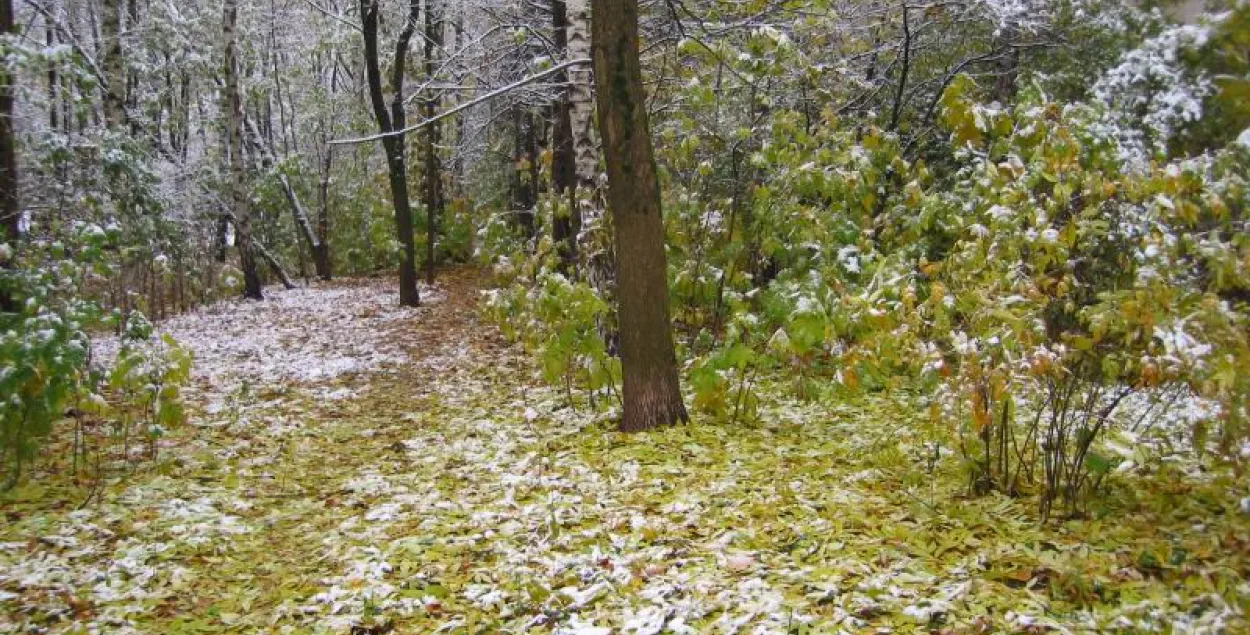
(393, 144)
(652, 396)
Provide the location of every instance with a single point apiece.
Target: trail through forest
(354, 467)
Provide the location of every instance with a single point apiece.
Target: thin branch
(332, 16)
(468, 104)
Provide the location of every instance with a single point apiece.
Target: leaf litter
(357, 468)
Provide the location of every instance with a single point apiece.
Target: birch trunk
(581, 99)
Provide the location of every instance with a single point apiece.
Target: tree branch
(466, 105)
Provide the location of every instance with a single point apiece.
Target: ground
(353, 467)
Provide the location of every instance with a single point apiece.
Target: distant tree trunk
(393, 144)
(293, 201)
(114, 75)
(581, 99)
(10, 213)
(1008, 68)
(275, 265)
(652, 396)
(896, 111)
(433, 182)
(233, 104)
(53, 83)
(322, 253)
(131, 77)
(524, 195)
(563, 162)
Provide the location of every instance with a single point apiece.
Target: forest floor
(353, 467)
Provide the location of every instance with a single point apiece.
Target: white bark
(581, 99)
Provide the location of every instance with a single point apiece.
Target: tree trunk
(652, 396)
(433, 183)
(10, 213)
(394, 144)
(1008, 68)
(524, 196)
(234, 122)
(896, 111)
(53, 83)
(114, 74)
(131, 77)
(297, 207)
(565, 225)
(322, 254)
(581, 100)
(275, 265)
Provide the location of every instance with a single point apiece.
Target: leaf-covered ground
(356, 468)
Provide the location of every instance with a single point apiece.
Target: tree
(114, 73)
(391, 125)
(433, 182)
(563, 163)
(9, 212)
(581, 102)
(652, 396)
(316, 241)
(233, 105)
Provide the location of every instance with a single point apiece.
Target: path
(357, 468)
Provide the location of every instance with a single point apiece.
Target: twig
(468, 104)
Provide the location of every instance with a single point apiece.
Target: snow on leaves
(459, 498)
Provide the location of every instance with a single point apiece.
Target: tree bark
(524, 194)
(581, 100)
(896, 111)
(297, 207)
(233, 104)
(322, 254)
(566, 223)
(10, 213)
(394, 144)
(433, 182)
(53, 83)
(114, 73)
(652, 396)
(275, 265)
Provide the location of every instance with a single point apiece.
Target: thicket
(1049, 263)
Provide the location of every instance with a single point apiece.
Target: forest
(595, 317)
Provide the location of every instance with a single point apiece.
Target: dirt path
(357, 468)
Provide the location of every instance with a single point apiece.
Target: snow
(1153, 80)
(307, 334)
(478, 496)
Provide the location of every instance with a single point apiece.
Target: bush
(1073, 283)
